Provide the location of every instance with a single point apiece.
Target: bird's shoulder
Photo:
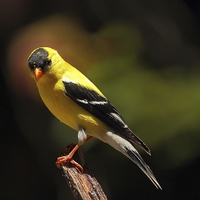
(91, 99)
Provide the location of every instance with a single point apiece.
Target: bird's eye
(32, 66)
(47, 62)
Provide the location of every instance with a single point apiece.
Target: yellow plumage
(78, 103)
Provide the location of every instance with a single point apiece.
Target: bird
(73, 99)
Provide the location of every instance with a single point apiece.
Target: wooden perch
(84, 186)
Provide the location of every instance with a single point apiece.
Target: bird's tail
(138, 160)
(129, 150)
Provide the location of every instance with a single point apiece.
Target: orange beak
(38, 74)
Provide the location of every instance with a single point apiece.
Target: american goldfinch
(78, 103)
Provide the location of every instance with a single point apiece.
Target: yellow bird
(78, 103)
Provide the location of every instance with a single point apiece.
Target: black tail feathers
(138, 160)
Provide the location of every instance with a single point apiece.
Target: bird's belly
(71, 114)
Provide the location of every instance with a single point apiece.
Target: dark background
(143, 55)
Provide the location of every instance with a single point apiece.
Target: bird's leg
(69, 158)
(88, 139)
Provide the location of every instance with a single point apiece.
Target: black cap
(39, 59)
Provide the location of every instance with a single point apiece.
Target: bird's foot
(63, 159)
(69, 158)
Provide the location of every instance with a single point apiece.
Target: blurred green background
(143, 55)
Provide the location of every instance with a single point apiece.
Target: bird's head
(40, 62)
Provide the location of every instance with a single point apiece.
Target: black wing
(101, 108)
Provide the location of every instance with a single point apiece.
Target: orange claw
(69, 158)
